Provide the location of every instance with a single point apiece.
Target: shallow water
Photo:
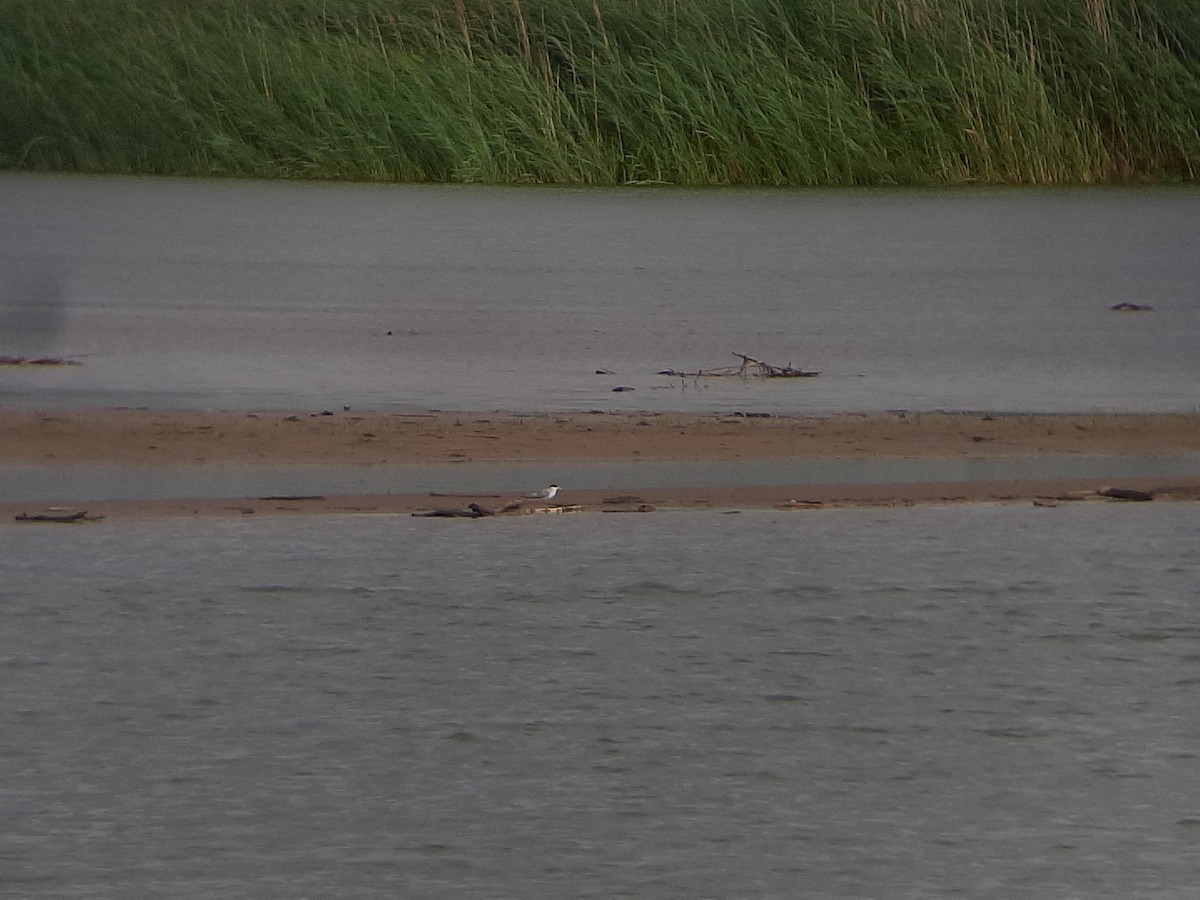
(254, 295)
(986, 702)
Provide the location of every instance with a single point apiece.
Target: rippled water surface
(274, 295)
(944, 702)
(985, 702)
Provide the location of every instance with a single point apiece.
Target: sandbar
(142, 437)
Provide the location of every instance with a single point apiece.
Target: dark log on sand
(78, 516)
(1126, 494)
(473, 511)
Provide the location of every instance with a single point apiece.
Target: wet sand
(146, 437)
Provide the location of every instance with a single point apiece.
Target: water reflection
(33, 296)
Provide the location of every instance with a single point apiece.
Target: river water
(942, 702)
(239, 295)
(992, 701)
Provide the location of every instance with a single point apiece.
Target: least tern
(547, 494)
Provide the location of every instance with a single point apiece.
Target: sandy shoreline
(148, 437)
(1048, 493)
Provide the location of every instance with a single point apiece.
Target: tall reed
(774, 92)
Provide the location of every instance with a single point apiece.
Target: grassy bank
(800, 92)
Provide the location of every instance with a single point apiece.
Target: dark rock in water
(1126, 494)
(1131, 307)
(622, 388)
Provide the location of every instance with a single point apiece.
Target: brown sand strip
(140, 437)
(147, 437)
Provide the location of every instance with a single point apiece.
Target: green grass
(704, 92)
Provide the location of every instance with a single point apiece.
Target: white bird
(547, 494)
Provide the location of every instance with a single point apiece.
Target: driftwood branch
(750, 367)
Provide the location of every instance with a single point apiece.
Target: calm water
(244, 294)
(981, 702)
(985, 702)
